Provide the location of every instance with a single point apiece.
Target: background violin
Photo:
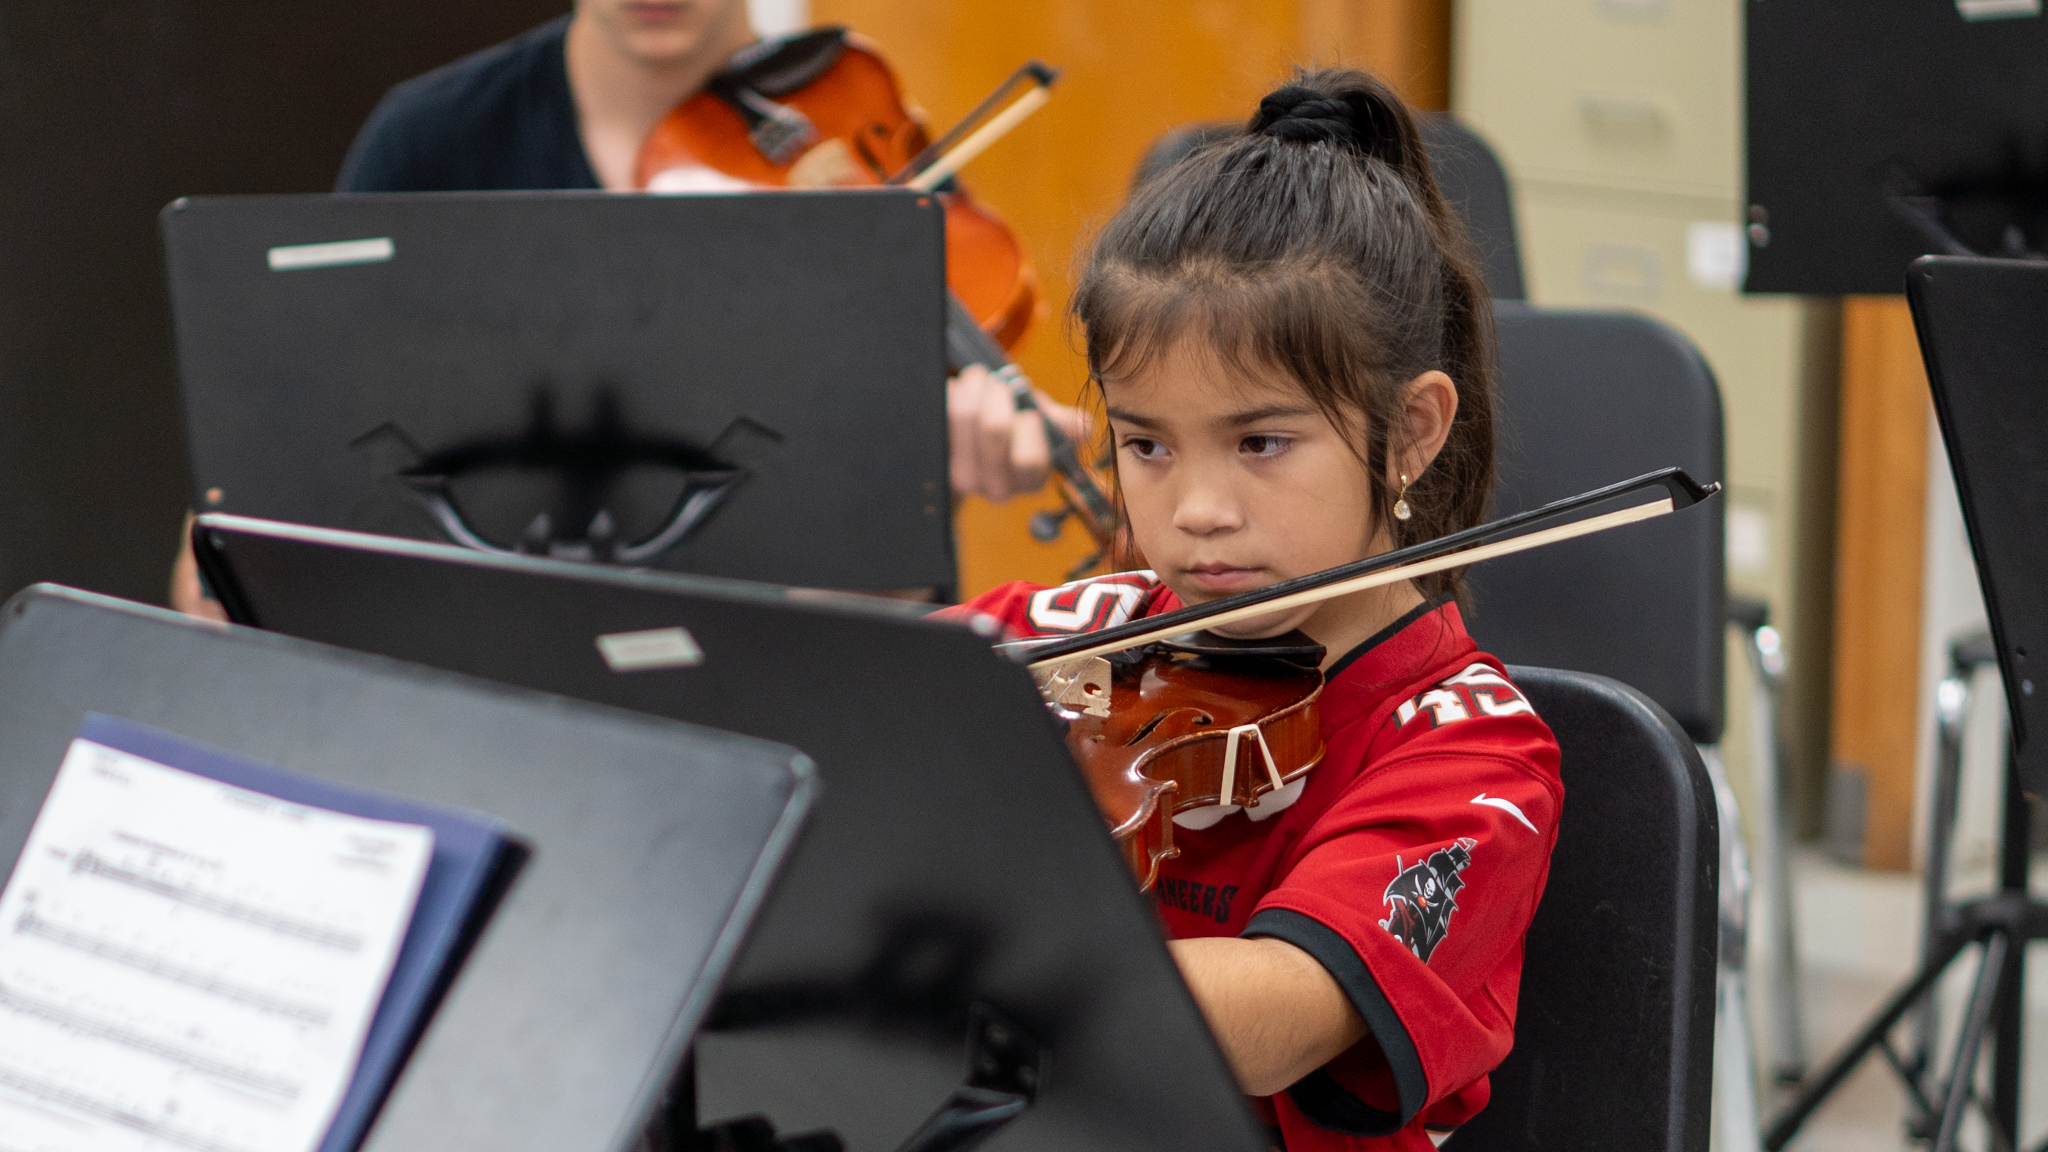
(822, 109)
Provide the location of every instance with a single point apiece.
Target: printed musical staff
(187, 963)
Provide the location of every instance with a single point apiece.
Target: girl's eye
(1265, 445)
(1142, 448)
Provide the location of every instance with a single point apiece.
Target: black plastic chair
(1466, 169)
(1471, 177)
(1614, 1035)
(1588, 398)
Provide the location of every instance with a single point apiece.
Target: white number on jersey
(1478, 689)
(1087, 605)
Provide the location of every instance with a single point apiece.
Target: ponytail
(1315, 242)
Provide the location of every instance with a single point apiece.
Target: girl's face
(1233, 483)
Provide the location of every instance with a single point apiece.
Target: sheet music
(184, 964)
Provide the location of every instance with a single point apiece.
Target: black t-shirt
(501, 119)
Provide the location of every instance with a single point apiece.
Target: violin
(822, 109)
(1174, 724)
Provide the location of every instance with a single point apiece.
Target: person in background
(566, 105)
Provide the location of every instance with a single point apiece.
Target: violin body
(1191, 725)
(824, 110)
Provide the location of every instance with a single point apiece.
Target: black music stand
(956, 887)
(1983, 328)
(648, 845)
(741, 385)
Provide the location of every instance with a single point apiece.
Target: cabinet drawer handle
(1624, 118)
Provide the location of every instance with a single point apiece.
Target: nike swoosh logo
(1507, 806)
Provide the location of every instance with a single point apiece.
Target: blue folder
(467, 847)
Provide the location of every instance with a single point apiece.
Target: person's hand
(999, 452)
(188, 595)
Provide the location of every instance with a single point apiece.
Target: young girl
(1295, 353)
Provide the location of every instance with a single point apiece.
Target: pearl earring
(1401, 509)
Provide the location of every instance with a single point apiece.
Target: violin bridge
(1078, 685)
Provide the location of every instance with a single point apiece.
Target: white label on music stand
(339, 253)
(648, 650)
(1998, 9)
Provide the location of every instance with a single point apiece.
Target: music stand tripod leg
(1963, 1073)
(1952, 712)
(1838, 1067)
(2004, 922)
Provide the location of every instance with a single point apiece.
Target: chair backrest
(1466, 169)
(1586, 399)
(1471, 178)
(1614, 1031)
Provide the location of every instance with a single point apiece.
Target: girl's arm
(1277, 1013)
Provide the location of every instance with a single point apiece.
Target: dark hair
(1315, 242)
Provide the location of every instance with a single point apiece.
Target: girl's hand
(999, 452)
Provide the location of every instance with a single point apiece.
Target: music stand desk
(762, 372)
(955, 859)
(1983, 328)
(648, 845)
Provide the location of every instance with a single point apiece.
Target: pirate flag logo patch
(1423, 896)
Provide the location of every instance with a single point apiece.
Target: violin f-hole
(1201, 719)
(1163, 849)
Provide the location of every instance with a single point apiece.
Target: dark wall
(109, 109)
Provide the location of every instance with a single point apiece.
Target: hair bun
(1306, 115)
(1355, 115)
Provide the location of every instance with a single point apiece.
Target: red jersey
(1409, 861)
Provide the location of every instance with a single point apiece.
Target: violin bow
(1510, 534)
(950, 152)
(967, 342)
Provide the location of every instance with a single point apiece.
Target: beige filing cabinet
(1619, 122)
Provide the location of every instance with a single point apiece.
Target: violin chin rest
(1294, 647)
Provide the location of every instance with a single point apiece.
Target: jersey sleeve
(1414, 890)
(1026, 610)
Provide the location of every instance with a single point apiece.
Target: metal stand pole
(1779, 963)
(1734, 1054)
(1952, 699)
